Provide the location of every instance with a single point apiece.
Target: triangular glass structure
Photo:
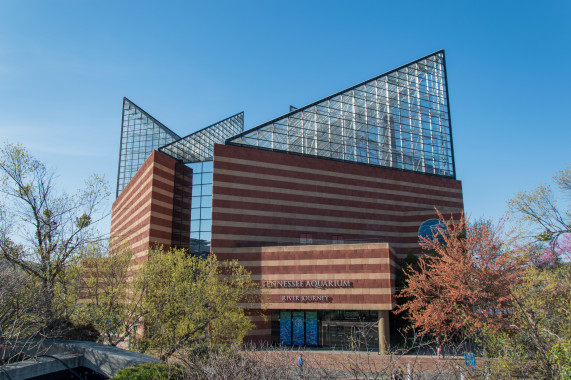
(399, 119)
(198, 146)
(140, 135)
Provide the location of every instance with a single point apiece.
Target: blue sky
(66, 65)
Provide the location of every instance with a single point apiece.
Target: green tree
(42, 229)
(191, 301)
(542, 312)
(534, 343)
(539, 333)
(111, 296)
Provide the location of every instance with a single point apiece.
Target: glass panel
(206, 177)
(198, 146)
(207, 190)
(348, 126)
(285, 328)
(195, 225)
(140, 135)
(206, 201)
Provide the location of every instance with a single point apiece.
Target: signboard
(316, 284)
(306, 299)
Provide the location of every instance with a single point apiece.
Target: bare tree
(41, 228)
(21, 320)
(541, 212)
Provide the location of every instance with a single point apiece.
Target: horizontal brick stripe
(260, 200)
(310, 254)
(256, 228)
(151, 175)
(319, 306)
(297, 180)
(140, 183)
(323, 276)
(294, 183)
(256, 235)
(250, 258)
(143, 245)
(302, 224)
(293, 262)
(157, 197)
(271, 197)
(233, 188)
(345, 270)
(309, 248)
(142, 213)
(291, 216)
(145, 229)
(336, 170)
(224, 201)
(229, 241)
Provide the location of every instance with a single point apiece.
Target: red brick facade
(317, 234)
(142, 215)
(268, 198)
(319, 277)
(266, 203)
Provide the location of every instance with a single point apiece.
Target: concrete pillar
(384, 332)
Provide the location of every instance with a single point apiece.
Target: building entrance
(340, 329)
(298, 328)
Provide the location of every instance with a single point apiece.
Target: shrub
(150, 371)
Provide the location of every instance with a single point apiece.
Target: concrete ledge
(40, 366)
(106, 360)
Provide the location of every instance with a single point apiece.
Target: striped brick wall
(265, 203)
(142, 215)
(262, 198)
(319, 277)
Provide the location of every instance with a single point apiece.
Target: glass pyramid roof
(400, 119)
(198, 146)
(140, 135)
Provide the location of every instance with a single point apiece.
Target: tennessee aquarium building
(320, 204)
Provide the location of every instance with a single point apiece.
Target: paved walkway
(362, 361)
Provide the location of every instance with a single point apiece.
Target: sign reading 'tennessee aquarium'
(307, 284)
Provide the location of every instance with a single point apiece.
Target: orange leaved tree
(463, 282)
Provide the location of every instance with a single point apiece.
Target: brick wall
(142, 215)
(263, 197)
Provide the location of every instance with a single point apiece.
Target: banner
(311, 328)
(285, 328)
